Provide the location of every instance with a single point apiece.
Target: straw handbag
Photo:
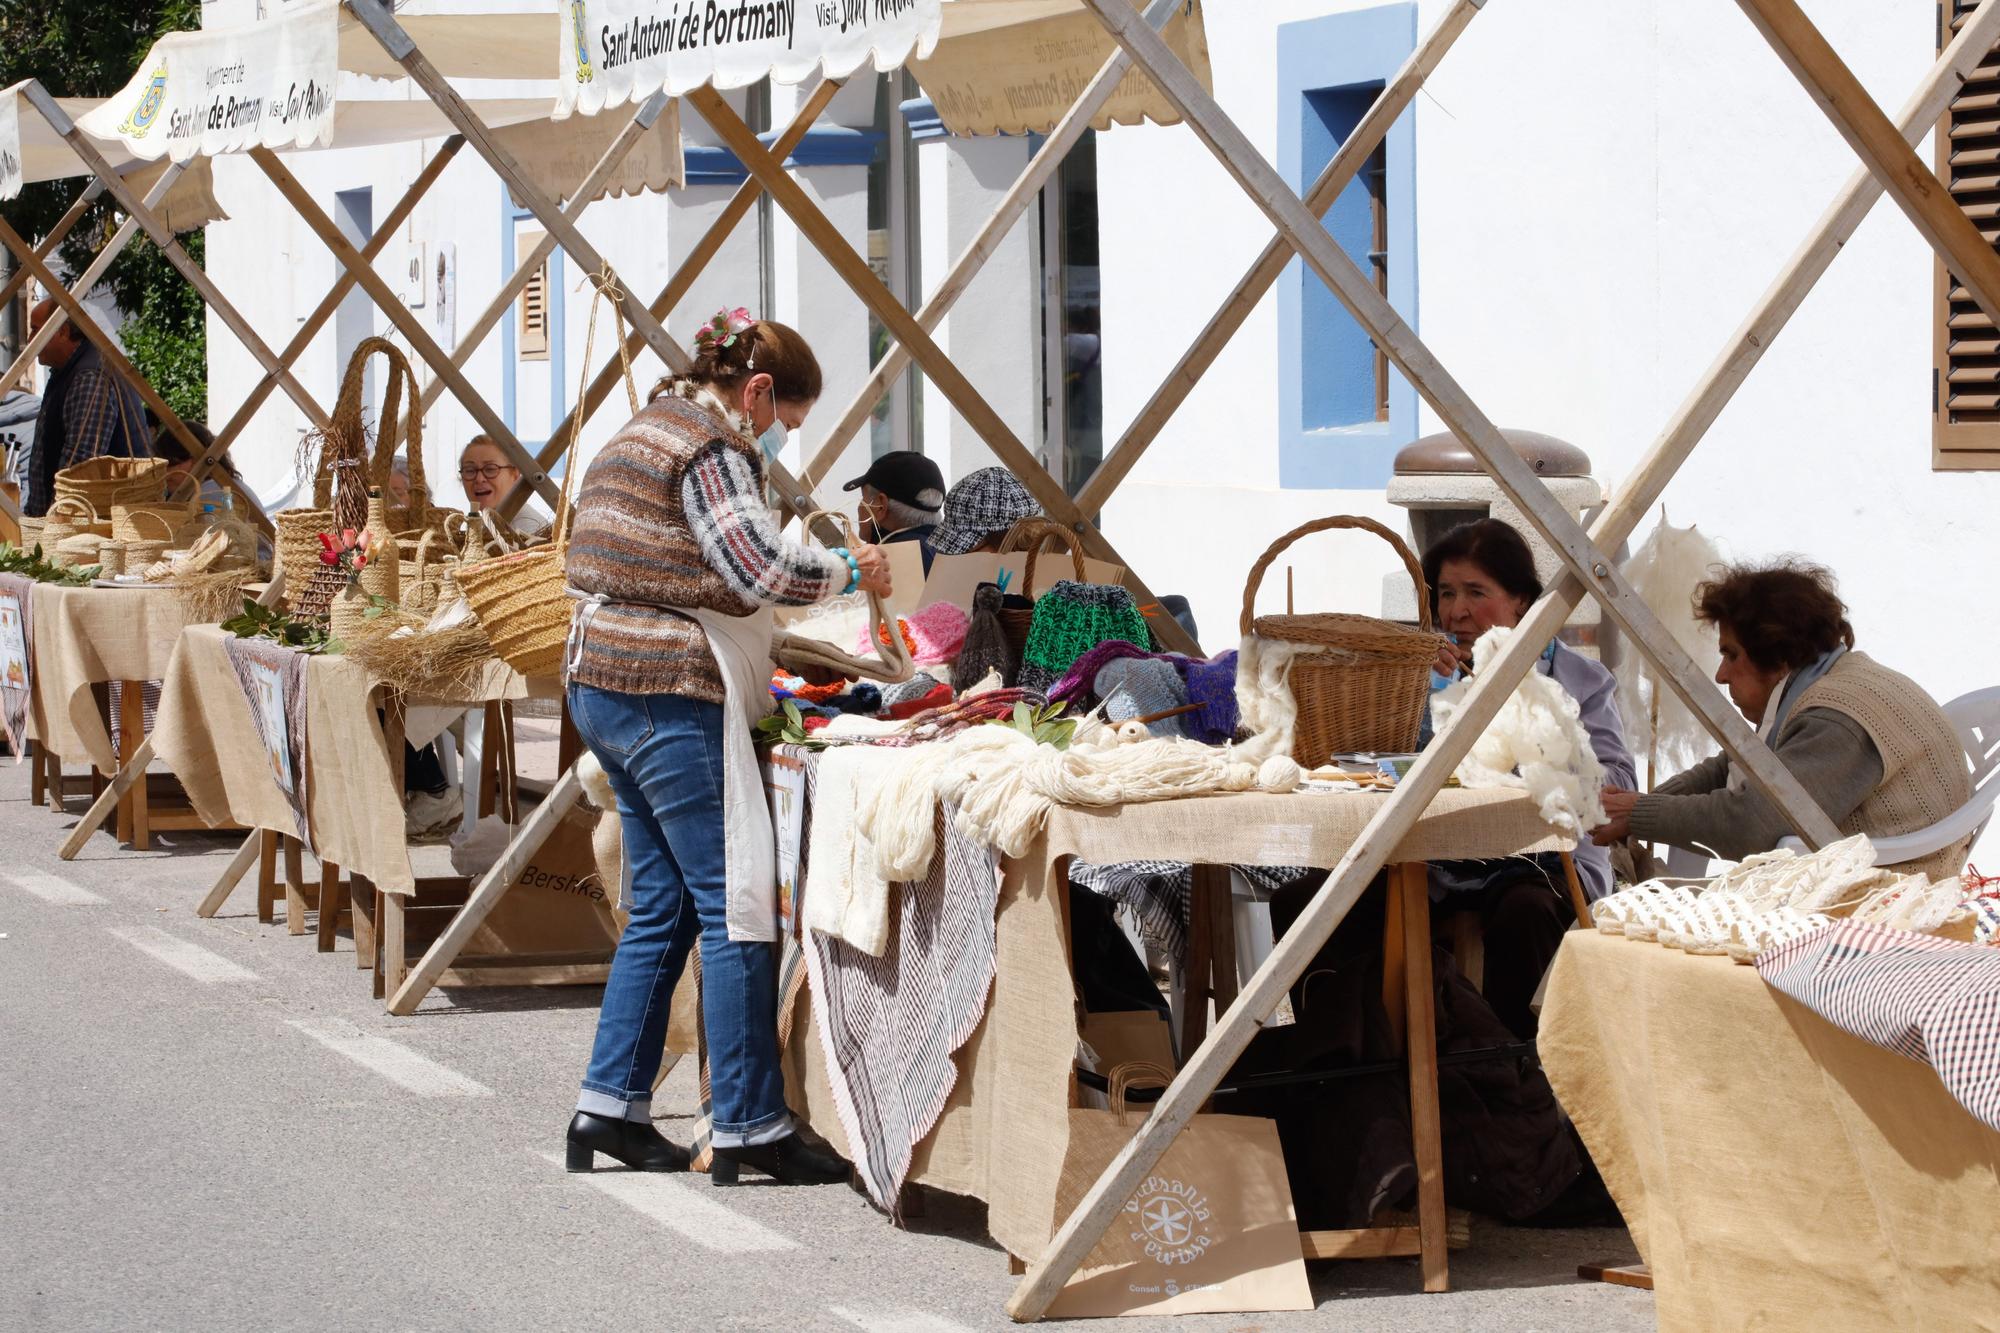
(520, 598)
(70, 516)
(426, 572)
(1032, 535)
(310, 585)
(142, 550)
(107, 481)
(126, 517)
(796, 652)
(1359, 683)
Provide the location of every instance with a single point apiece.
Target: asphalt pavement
(208, 1125)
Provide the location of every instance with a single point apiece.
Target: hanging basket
(107, 482)
(1362, 683)
(1033, 535)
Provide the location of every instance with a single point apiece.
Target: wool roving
(1536, 741)
(1264, 703)
(1665, 571)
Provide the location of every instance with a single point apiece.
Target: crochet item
(1070, 620)
(914, 695)
(1212, 684)
(933, 635)
(1537, 741)
(985, 647)
(1137, 688)
(1076, 686)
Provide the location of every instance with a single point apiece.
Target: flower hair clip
(726, 327)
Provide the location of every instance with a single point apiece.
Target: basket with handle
(342, 477)
(69, 516)
(1361, 682)
(108, 481)
(520, 598)
(141, 550)
(1033, 535)
(891, 666)
(127, 518)
(426, 564)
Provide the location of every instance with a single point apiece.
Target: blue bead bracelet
(853, 568)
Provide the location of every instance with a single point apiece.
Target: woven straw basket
(71, 516)
(108, 482)
(1033, 535)
(520, 598)
(142, 548)
(1365, 689)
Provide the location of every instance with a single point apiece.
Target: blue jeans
(663, 754)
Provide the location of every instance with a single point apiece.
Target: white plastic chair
(1977, 717)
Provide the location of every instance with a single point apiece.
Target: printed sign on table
(619, 51)
(272, 728)
(221, 90)
(15, 688)
(785, 787)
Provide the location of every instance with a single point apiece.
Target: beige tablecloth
(1776, 1172)
(205, 734)
(91, 636)
(1005, 1131)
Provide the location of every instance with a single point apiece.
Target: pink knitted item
(935, 634)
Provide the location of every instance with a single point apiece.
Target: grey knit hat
(984, 502)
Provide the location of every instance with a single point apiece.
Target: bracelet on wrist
(853, 569)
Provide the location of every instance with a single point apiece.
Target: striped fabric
(1930, 999)
(889, 1026)
(672, 514)
(1159, 894)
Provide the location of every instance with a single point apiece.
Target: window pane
(1082, 359)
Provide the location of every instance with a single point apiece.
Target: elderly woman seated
(1867, 744)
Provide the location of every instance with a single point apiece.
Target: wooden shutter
(1965, 383)
(532, 340)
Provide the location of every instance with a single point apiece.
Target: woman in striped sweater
(673, 557)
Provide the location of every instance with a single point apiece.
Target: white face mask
(772, 441)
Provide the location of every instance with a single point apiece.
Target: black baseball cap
(904, 475)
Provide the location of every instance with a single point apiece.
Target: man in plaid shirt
(87, 410)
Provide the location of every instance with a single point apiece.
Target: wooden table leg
(395, 954)
(1197, 970)
(1411, 883)
(131, 735)
(361, 906)
(1393, 963)
(38, 768)
(489, 760)
(267, 875)
(329, 904)
(295, 888)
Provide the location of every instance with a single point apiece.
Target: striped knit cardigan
(672, 515)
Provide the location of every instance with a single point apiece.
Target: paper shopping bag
(557, 904)
(1210, 1230)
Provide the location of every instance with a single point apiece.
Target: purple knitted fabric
(1075, 685)
(1212, 684)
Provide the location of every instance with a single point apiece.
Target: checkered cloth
(1930, 999)
(1159, 894)
(984, 502)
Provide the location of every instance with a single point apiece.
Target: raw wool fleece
(1536, 741)
(1003, 786)
(1264, 704)
(607, 840)
(1665, 571)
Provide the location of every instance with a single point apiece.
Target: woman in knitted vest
(673, 557)
(1868, 745)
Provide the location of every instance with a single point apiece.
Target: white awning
(1015, 66)
(618, 51)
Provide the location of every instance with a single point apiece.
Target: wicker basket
(1033, 535)
(1364, 690)
(31, 533)
(107, 482)
(160, 518)
(425, 567)
(142, 549)
(110, 557)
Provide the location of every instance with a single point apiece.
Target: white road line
(897, 1321)
(394, 1061)
(53, 889)
(184, 955)
(685, 1209)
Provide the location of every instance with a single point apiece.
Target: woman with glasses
(487, 475)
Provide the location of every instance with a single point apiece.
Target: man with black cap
(901, 495)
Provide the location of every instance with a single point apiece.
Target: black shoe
(637, 1145)
(789, 1161)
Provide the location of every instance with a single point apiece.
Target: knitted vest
(1924, 776)
(632, 542)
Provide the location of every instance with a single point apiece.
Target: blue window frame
(512, 214)
(1333, 433)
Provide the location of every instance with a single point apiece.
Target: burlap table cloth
(1005, 1131)
(1775, 1171)
(205, 734)
(92, 636)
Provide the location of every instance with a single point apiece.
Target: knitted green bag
(1070, 620)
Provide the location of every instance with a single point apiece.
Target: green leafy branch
(787, 726)
(1045, 725)
(34, 565)
(267, 622)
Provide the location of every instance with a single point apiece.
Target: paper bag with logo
(557, 905)
(1209, 1231)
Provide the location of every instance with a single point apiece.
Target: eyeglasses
(484, 471)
